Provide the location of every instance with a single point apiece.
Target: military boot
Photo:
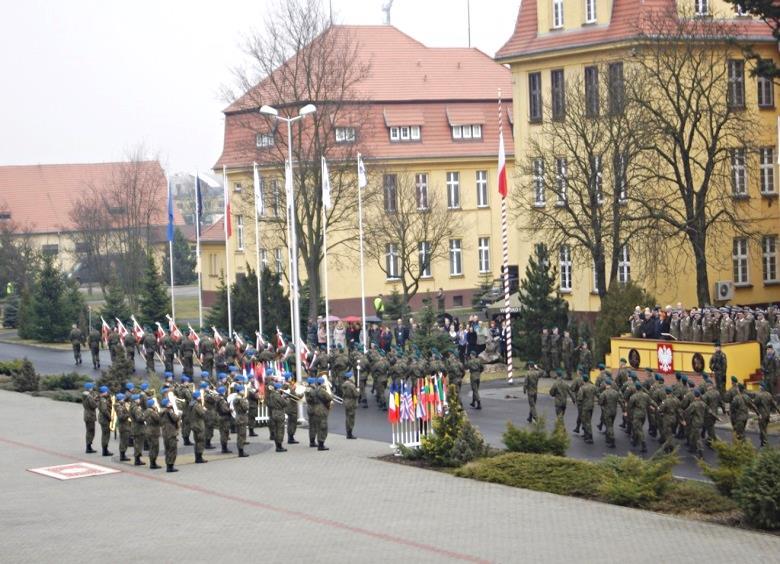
(187, 441)
(209, 446)
(279, 447)
(242, 454)
(90, 450)
(138, 461)
(106, 452)
(170, 468)
(123, 457)
(291, 440)
(252, 432)
(644, 448)
(479, 404)
(312, 444)
(199, 459)
(350, 435)
(153, 464)
(226, 450)
(321, 446)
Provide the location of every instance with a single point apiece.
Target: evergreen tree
(115, 305)
(77, 308)
(276, 306)
(184, 261)
(540, 304)
(428, 334)
(154, 299)
(24, 322)
(49, 311)
(121, 371)
(217, 316)
(11, 311)
(394, 306)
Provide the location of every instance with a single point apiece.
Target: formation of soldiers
(560, 351)
(681, 411)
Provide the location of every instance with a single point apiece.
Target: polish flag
(502, 183)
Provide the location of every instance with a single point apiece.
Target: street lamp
(296, 324)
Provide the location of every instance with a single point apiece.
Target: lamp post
(295, 321)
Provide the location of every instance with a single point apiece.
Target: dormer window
(557, 7)
(473, 131)
(590, 11)
(345, 135)
(405, 133)
(265, 140)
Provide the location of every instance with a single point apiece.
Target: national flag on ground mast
(392, 407)
(170, 212)
(362, 180)
(503, 187)
(326, 202)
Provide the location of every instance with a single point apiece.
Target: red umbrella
(351, 318)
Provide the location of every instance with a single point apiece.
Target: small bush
(454, 441)
(634, 482)
(733, 459)
(757, 490)
(72, 381)
(26, 379)
(10, 367)
(539, 472)
(74, 396)
(534, 439)
(689, 496)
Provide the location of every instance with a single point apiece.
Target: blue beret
(659, 377)
(120, 396)
(684, 377)
(348, 374)
(164, 390)
(233, 368)
(239, 388)
(204, 374)
(320, 380)
(165, 402)
(185, 378)
(601, 365)
(269, 371)
(677, 375)
(287, 375)
(130, 386)
(144, 385)
(609, 381)
(168, 375)
(691, 384)
(638, 385)
(88, 385)
(222, 376)
(585, 377)
(150, 403)
(135, 397)
(221, 390)
(196, 394)
(696, 393)
(668, 389)
(204, 385)
(311, 380)
(278, 385)
(103, 389)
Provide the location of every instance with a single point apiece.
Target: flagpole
(257, 250)
(325, 206)
(170, 246)
(502, 187)
(362, 180)
(227, 249)
(197, 250)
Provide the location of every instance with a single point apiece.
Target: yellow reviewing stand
(668, 357)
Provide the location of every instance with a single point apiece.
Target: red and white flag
(503, 188)
(159, 333)
(174, 329)
(228, 222)
(279, 340)
(138, 331)
(122, 329)
(218, 340)
(238, 340)
(259, 342)
(105, 329)
(194, 337)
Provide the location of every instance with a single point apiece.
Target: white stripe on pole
(227, 248)
(197, 251)
(259, 267)
(362, 182)
(326, 204)
(170, 262)
(505, 248)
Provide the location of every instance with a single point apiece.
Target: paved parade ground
(337, 506)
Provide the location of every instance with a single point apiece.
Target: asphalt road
(500, 403)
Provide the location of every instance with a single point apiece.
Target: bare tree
(580, 178)
(298, 58)
(19, 260)
(699, 132)
(407, 229)
(113, 222)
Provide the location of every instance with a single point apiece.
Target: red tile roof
(407, 84)
(625, 23)
(214, 233)
(40, 197)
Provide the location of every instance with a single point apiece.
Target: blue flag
(170, 212)
(198, 200)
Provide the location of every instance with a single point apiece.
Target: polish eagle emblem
(665, 359)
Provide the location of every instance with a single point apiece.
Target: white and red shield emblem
(665, 358)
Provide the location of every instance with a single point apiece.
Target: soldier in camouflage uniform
(104, 418)
(277, 404)
(586, 397)
(567, 352)
(225, 417)
(350, 396)
(638, 406)
(770, 367)
(560, 393)
(76, 340)
(137, 416)
(170, 431)
(150, 347)
(129, 342)
(184, 391)
(207, 353)
(241, 405)
(211, 419)
(169, 349)
(123, 421)
(310, 395)
(669, 414)
(94, 347)
(545, 348)
(152, 424)
(291, 409)
(198, 425)
(764, 404)
(89, 401)
(719, 367)
(694, 419)
(610, 400)
(322, 407)
(475, 368)
(530, 388)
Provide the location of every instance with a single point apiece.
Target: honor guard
(89, 401)
(170, 432)
(152, 423)
(350, 395)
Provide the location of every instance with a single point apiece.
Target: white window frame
(390, 203)
(535, 111)
(739, 258)
(453, 190)
(557, 14)
(264, 140)
(621, 176)
(264, 258)
(769, 251)
(482, 188)
(483, 254)
(765, 88)
(476, 131)
(466, 129)
(345, 135)
(421, 190)
(736, 83)
(415, 131)
(738, 172)
(424, 256)
(538, 183)
(278, 261)
(405, 133)
(701, 7)
(590, 11)
(456, 257)
(395, 134)
(213, 264)
(564, 256)
(391, 261)
(240, 232)
(457, 131)
(276, 200)
(561, 181)
(766, 168)
(624, 265)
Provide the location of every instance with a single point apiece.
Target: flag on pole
(407, 411)
(239, 342)
(502, 183)
(259, 342)
(138, 331)
(228, 220)
(122, 329)
(279, 339)
(159, 333)
(105, 329)
(218, 340)
(258, 192)
(198, 201)
(325, 185)
(173, 329)
(170, 212)
(362, 180)
(194, 337)
(392, 407)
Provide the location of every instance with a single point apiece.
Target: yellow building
(428, 116)
(557, 42)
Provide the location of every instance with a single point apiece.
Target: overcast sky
(88, 80)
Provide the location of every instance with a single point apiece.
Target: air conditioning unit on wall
(724, 291)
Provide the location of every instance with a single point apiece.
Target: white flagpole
(227, 249)
(288, 171)
(505, 247)
(197, 254)
(170, 259)
(362, 180)
(257, 251)
(325, 205)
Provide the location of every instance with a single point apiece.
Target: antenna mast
(386, 9)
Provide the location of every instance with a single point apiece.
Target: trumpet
(291, 395)
(112, 424)
(337, 399)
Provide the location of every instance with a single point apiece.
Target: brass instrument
(329, 387)
(291, 395)
(112, 424)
